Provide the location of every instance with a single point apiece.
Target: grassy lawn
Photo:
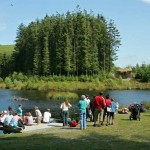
(124, 135)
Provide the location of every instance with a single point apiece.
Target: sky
(131, 17)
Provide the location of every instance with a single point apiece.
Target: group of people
(96, 109)
(17, 119)
(11, 118)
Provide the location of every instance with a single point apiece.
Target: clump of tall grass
(62, 95)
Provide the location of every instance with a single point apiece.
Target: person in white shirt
(65, 110)
(88, 110)
(47, 116)
(3, 116)
(8, 119)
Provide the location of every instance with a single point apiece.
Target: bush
(8, 82)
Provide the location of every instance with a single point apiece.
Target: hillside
(6, 49)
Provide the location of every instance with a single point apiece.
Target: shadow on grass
(89, 141)
(126, 119)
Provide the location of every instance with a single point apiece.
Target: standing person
(99, 104)
(65, 110)
(47, 116)
(82, 107)
(107, 109)
(19, 110)
(92, 107)
(38, 115)
(117, 105)
(88, 110)
(113, 110)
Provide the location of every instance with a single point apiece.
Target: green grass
(124, 135)
(6, 49)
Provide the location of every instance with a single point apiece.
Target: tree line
(76, 43)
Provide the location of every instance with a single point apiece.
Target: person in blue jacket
(113, 107)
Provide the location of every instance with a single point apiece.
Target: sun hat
(5, 111)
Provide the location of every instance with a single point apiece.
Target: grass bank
(124, 135)
(22, 82)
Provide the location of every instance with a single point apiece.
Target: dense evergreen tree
(72, 44)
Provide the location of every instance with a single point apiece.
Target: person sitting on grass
(46, 116)
(3, 116)
(28, 119)
(8, 118)
(17, 121)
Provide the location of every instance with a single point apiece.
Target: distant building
(124, 73)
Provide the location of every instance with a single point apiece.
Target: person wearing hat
(8, 118)
(3, 116)
(82, 112)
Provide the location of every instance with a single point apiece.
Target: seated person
(46, 116)
(8, 118)
(73, 123)
(38, 115)
(3, 116)
(28, 119)
(17, 121)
